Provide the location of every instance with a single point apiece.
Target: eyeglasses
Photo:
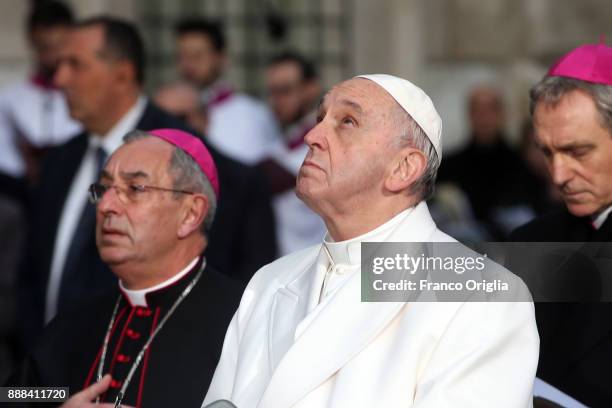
(128, 194)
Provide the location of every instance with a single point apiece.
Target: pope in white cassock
(302, 337)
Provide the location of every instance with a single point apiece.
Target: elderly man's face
(349, 148)
(85, 76)
(578, 151)
(141, 231)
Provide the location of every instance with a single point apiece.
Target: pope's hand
(87, 397)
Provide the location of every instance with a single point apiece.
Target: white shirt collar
(349, 251)
(599, 220)
(138, 297)
(208, 94)
(114, 138)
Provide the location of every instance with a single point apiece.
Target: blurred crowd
(85, 92)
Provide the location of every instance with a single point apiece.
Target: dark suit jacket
(181, 360)
(242, 237)
(575, 338)
(490, 191)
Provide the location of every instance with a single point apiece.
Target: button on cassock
(122, 358)
(132, 334)
(142, 312)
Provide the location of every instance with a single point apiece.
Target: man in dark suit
(572, 116)
(101, 72)
(488, 170)
(165, 321)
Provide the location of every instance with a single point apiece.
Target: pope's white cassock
(300, 339)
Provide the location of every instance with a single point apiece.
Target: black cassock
(575, 338)
(179, 364)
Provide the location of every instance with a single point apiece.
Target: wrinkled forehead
(370, 97)
(363, 97)
(148, 158)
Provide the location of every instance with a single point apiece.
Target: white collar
(349, 251)
(114, 137)
(138, 297)
(220, 86)
(599, 219)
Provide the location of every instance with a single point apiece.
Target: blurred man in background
(33, 118)
(101, 71)
(572, 118)
(293, 89)
(491, 173)
(33, 113)
(238, 125)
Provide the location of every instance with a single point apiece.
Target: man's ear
(125, 71)
(407, 167)
(194, 213)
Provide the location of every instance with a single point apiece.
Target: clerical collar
(599, 219)
(139, 297)
(349, 251)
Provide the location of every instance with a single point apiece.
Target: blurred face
(198, 61)
(286, 92)
(486, 115)
(88, 80)
(47, 43)
(349, 148)
(578, 152)
(183, 102)
(143, 231)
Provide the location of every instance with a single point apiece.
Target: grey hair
(550, 90)
(413, 135)
(187, 175)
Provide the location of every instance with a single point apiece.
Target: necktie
(73, 281)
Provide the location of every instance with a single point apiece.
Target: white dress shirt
(241, 127)
(77, 198)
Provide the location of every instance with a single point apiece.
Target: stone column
(388, 37)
